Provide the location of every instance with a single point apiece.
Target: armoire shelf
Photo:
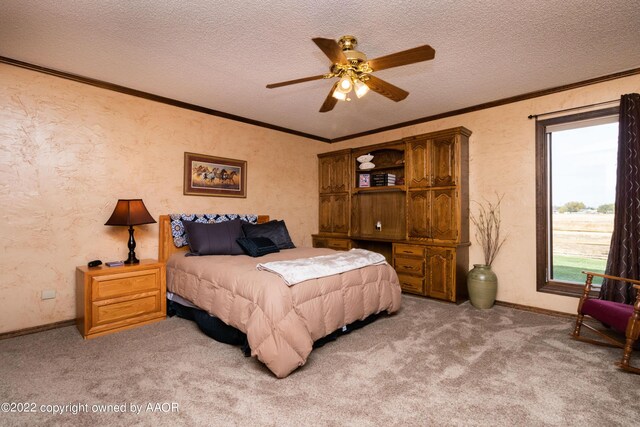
(401, 188)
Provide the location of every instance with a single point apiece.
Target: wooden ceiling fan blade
(292, 82)
(386, 89)
(330, 101)
(406, 57)
(331, 48)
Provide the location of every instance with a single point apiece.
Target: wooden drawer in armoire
(332, 243)
(412, 284)
(409, 263)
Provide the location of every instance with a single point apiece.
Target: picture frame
(214, 176)
(364, 180)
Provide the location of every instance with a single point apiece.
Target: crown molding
(204, 110)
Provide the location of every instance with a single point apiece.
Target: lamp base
(132, 260)
(132, 246)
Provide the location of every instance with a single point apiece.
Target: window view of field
(583, 192)
(580, 242)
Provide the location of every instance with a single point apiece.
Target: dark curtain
(624, 258)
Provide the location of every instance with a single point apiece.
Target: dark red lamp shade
(130, 212)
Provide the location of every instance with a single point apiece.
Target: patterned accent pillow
(177, 226)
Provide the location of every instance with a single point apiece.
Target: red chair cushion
(613, 314)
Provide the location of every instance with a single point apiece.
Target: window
(576, 181)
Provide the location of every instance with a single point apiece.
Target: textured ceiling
(221, 54)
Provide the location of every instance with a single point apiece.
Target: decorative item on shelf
(365, 158)
(130, 212)
(367, 166)
(365, 162)
(482, 282)
(364, 180)
(383, 179)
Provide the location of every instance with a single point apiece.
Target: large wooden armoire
(420, 224)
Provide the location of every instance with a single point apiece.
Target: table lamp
(130, 212)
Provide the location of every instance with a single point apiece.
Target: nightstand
(111, 299)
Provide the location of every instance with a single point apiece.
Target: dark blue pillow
(214, 238)
(274, 230)
(257, 246)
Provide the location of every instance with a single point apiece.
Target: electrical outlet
(48, 294)
(379, 226)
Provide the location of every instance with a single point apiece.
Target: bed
(281, 322)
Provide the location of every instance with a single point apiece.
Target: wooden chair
(623, 318)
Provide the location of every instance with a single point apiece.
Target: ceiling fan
(354, 70)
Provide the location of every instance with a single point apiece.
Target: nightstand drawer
(408, 250)
(111, 314)
(409, 265)
(411, 284)
(118, 285)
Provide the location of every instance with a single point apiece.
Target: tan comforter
(281, 322)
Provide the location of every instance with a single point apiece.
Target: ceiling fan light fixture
(337, 94)
(345, 85)
(360, 88)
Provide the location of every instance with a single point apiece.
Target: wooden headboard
(166, 247)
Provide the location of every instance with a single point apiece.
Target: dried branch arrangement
(487, 222)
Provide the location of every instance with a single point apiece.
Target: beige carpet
(431, 364)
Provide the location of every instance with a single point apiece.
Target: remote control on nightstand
(114, 263)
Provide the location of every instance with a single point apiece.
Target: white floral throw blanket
(299, 270)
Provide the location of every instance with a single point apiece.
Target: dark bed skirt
(221, 332)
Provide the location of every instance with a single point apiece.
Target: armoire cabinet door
(432, 163)
(444, 214)
(440, 272)
(419, 214)
(432, 214)
(340, 173)
(334, 213)
(443, 161)
(334, 173)
(325, 214)
(325, 178)
(340, 213)
(417, 164)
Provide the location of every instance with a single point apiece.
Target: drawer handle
(408, 267)
(407, 252)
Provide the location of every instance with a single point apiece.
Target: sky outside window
(584, 165)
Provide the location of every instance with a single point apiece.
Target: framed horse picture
(214, 176)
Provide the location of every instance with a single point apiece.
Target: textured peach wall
(68, 151)
(502, 159)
